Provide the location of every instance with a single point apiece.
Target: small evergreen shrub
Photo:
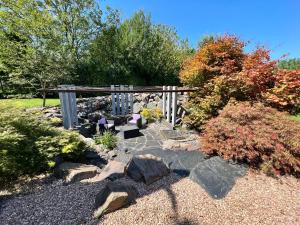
(29, 145)
(261, 136)
(55, 121)
(108, 140)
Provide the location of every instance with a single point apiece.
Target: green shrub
(55, 121)
(29, 145)
(261, 136)
(108, 139)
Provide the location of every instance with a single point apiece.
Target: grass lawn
(27, 103)
(297, 118)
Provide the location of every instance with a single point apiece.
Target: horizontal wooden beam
(155, 89)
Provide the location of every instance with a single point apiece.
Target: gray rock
(73, 172)
(146, 168)
(160, 104)
(113, 196)
(112, 154)
(217, 176)
(137, 107)
(156, 98)
(151, 105)
(113, 170)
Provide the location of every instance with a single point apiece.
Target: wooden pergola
(122, 99)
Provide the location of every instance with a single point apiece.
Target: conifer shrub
(29, 145)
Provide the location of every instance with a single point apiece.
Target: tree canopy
(47, 42)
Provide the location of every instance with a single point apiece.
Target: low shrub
(55, 121)
(108, 140)
(261, 136)
(152, 114)
(29, 145)
(146, 113)
(285, 95)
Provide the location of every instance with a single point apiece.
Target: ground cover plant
(108, 140)
(258, 135)
(30, 146)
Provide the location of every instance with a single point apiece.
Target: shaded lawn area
(297, 118)
(27, 103)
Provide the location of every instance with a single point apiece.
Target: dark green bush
(29, 145)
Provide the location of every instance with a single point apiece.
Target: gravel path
(54, 204)
(255, 199)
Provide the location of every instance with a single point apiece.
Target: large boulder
(87, 130)
(73, 172)
(113, 170)
(113, 196)
(146, 168)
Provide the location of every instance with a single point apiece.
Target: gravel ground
(255, 199)
(54, 203)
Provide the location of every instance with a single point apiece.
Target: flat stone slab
(173, 134)
(217, 176)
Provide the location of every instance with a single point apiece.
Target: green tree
(42, 42)
(137, 52)
(289, 64)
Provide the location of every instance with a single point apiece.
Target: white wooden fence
(122, 103)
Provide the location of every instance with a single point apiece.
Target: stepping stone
(113, 196)
(216, 176)
(146, 168)
(186, 161)
(73, 172)
(173, 134)
(113, 170)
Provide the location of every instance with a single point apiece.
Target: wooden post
(169, 104)
(164, 102)
(174, 105)
(113, 100)
(68, 107)
(131, 98)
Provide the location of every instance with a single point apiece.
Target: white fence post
(68, 106)
(164, 102)
(174, 105)
(126, 100)
(131, 98)
(113, 100)
(122, 100)
(118, 99)
(169, 104)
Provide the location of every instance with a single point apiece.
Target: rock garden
(119, 179)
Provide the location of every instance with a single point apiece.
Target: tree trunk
(2, 88)
(44, 94)
(44, 99)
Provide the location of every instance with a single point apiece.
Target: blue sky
(272, 23)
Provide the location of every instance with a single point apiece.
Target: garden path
(213, 174)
